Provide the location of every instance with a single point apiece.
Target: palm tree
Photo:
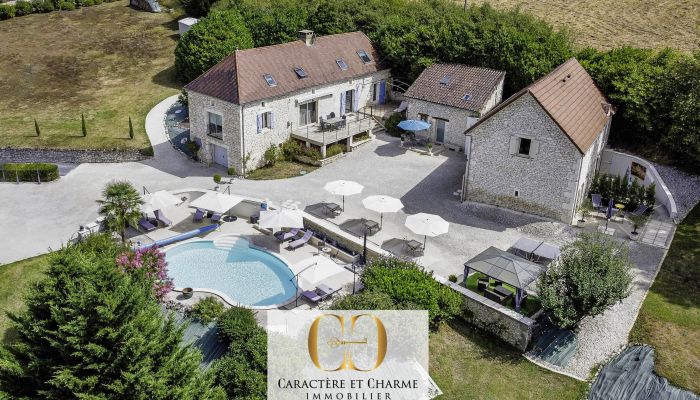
(121, 205)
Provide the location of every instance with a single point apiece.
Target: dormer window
(445, 80)
(301, 73)
(466, 97)
(364, 56)
(342, 64)
(270, 80)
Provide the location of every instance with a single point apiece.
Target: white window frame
(514, 146)
(266, 120)
(209, 124)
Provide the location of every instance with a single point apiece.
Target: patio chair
(146, 225)
(482, 283)
(597, 201)
(325, 291)
(162, 218)
(216, 217)
(198, 215)
(641, 209)
(283, 236)
(302, 241)
(491, 295)
(311, 296)
(331, 115)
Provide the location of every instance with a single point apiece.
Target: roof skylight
(301, 73)
(270, 80)
(364, 56)
(466, 97)
(342, 64)
(445, 80)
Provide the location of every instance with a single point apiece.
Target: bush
(242, 373)
(650, 195)
(207, 310)
(7, 11)
(290, 148)
(43, 6)
(452, 278)
(27, 172)
(217, 178)
(410, 287)
(23, 7)
(334, 149)
(270, 156)
(209, 41)
(231, 171)
(67, 5)
(237, 324)
(197, 8)
(366, 300)
(592, 274)
(391, 125)
(183, 98)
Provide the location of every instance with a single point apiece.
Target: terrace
(336, 130)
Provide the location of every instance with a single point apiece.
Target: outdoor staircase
(227, 242)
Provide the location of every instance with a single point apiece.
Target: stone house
(452, 97)
(537, 151)
(314, 89)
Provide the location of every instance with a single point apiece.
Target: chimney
(307, 36)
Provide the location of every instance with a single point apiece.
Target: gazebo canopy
(506, 267)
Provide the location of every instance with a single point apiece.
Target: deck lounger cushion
(216, 217)
(311, 296)
(162, 218)
(300, 242)
(641, 209)
(282, 236)
(145, 225)
(198, 215)
(325, 291)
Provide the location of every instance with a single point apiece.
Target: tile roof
(573, 101)
(238, 78)
(448, 83)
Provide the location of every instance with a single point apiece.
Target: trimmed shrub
(131, 129)
(27, 172)
(23, 7)
(334, 150)
(7, 11)
(83, 128)
(217, 178)
(67, 5)
(207, 310)
(391, 125)
(231, 171)
(43, 6)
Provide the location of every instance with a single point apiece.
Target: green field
(15, 279)
(670, 316)
(108, 62)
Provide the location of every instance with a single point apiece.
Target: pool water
(246, 275)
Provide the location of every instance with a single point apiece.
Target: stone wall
(199, 108)
(512, 327)
(546, 180)
(66, 156)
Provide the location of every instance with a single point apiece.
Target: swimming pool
(242, 273)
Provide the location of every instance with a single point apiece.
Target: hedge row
(29, 172)
(24, 7)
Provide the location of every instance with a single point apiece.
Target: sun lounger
(325, 291)
(198, 215)
(216, 217)
(641, 209)
(146, 225)
(300, 242)
(162, 218)
(283, 236)
(597, 201)
(311, 296)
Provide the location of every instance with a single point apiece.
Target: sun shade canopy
(216, 202)
(509, 268)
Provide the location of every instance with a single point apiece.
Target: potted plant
(187, 292)
(430, 148)
(403, 138)
(638, 221)
(585, 209)
(217, 179)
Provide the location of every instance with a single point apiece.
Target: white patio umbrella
(382, 204)
(427, 225)
(282, 218)
(314, 270)
(216, 202)
(158, 201)
(343, 188)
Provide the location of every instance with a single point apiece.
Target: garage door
(220, 155)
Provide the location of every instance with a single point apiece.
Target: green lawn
(468, 364)
(670, 316)
(532, 304)
(108, 62)
(281, 170)
(15, 279)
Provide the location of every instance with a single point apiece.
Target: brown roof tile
(238, 78)
(571, 98)
(478, 83)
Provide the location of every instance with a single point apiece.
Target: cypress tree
(36, 128)
(131, 129)
(82, 117)
(91, 330)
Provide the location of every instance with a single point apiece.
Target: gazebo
(505, 267)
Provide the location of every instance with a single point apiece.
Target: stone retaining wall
(512, 327)
(70, 156)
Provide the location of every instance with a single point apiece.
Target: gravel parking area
(684, 187)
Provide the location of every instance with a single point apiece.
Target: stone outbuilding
(537, 151)
(452, 97)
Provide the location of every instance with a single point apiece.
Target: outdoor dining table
(332, 208)
(371, 225)
(334, 123)
(414, 246)
(502, 291)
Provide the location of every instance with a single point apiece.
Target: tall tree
(93, 331)
(121, 205)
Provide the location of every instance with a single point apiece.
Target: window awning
(313, 96)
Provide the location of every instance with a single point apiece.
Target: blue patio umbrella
(413, 125)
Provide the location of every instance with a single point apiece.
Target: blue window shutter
(272, 120)
(356, 99)
(382, 91)
(259, 120)
(342, 103)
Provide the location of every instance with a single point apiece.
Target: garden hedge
(24, 7)
(29, 172)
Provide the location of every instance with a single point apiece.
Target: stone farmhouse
(452, 97)
(314, 89)
(537, 151)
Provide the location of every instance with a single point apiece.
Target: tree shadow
(167, 78)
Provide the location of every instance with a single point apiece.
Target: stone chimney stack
(307, 36)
